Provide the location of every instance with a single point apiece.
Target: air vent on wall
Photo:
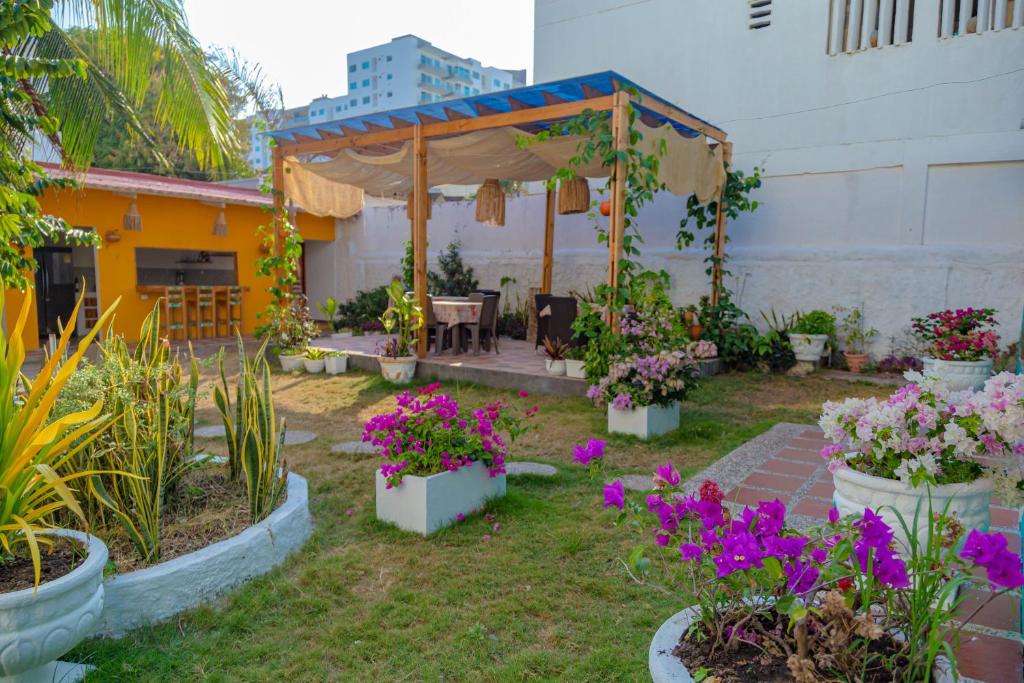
(760, 14)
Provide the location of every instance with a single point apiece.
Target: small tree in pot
(402, 319)
(856, 339)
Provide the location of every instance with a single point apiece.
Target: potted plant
(961, 345)
(291, 358)
(767, 602)
(856, 339)
(574, 362)
(643, 392)
(440, 461)
(336, 362)
(921, 444)
(689, 315)
(330, 308)
(401, 321)
(314, 360)
(60, 603)
(288, 330)
(556, 350)
(810, 334)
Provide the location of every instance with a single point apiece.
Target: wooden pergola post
(549, 242)
(617, 224)
(720, 223)
(278, 196)
(419, 222)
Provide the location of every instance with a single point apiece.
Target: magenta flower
(739, 551)
(690, 551)
(666, 475)
(989, 552)
(802, 576)
(833, 515)
(615, 494)
(873, 530)
(591, 451)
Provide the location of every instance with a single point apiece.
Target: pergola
(404, 152)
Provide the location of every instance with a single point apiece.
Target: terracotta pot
(606, 207)
(688, 317)
(695, 331)
(856, 361)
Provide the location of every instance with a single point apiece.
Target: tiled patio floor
(784, 463)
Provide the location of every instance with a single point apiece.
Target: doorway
(55, 288)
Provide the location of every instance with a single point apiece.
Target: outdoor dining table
(454, 311)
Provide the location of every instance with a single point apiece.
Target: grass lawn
(542, 598)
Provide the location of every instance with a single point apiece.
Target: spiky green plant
(255, 445)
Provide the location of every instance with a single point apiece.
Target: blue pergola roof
(529, 97)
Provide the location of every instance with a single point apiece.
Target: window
(497, 83)
(337, 107)
(963, 17)
(366, 100)
(353, 102)
(437, 64)
(389, 94)
(476, 91)
(760, 14)
(351, 68)
(185, 267)
(465, 90)
(389, 77)
(437, 82)
(476, 75)
(388, 58)
(366, 65)
(352, 85)
(366, 82)
(856, 25)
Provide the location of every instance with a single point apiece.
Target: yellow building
(190, 233)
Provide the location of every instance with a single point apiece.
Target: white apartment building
(401, 73)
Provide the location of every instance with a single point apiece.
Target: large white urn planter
(665, 667)
(960, 374)
(38, 626)
(425, 504)
(644, 421)
(574, 369)
(808, 347)
(291, 362)
(399, 370)
(336, 365)
(855, 491)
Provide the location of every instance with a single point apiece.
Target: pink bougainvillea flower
(833, 515)
(615, 495)
(666, 475)
(988, 550)
(689, 551)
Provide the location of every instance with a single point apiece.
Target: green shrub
(455, 278)
(815, 322)
(367, 306)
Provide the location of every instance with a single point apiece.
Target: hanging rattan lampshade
(132, 218)
(490, 203)
(408, 207)
(220, 226)
(574, 196)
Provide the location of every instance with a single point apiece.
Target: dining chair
(437, 330)
(485, 329)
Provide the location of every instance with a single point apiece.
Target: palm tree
(134, 39)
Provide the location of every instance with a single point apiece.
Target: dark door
(55, 286)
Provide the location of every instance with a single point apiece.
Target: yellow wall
(171, 223)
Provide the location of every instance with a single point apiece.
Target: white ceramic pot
(554, 367)
(335, 365)
(425, 504)
(37, 627)
(398, 370)
(808, 347)
(313, 366)
(961, 374)
(855, 491)
(644, 421)
(291, 363)
(574, 369)
(665, 667)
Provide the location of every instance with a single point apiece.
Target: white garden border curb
(150, 595)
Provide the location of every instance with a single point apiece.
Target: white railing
(863, 24)
(963, 17)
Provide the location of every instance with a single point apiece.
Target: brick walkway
(784, 464)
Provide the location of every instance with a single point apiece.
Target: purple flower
(622, 402)
(819, 555)
(663, 539)
(615, 494)
(739, 551)
(785, 547)
(585, 454)
(802, 576)
(711, 514)
(873, 530)
(989, 551)
(890, 569)
(833, 515)
(689, 551)
(770, 517)
(666, 475)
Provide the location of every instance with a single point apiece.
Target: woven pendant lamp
(574, 196)
(408, 207)
(220, 226)
(490, 203)
(132, 218)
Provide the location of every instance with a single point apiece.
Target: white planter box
(961, 374)
(314, 367)
(150, 595)
(574, 369)
(335, 365)
(808, 347)
(645, 421)
(855, 491)
(554, 367)
(425, 504)
(397, 370)
(37, 626)
(291, 363)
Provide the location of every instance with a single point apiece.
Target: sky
(301, 44)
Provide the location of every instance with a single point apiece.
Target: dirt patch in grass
(18, 573)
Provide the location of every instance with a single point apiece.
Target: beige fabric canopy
(335, 186)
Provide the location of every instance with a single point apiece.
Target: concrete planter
(291, 363)
(574, 369)
(38, 626)
(335, 365)
(398, 370)
(425, 504)
(855, 491)
(555, 368)
(665, 667)
(961, 374)
(808, 347)
(314, 367)
(151, 595)
(644, 421)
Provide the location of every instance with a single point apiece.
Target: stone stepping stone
(294, 438)
(354, 448)
(210, 459)
(210, 432)
(540, 469)
(636, 482)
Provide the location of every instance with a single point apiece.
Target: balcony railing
(964, 17)
(862, 24)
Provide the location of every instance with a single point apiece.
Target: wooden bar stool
(175, 314)
(206, 312)
(229, 309)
